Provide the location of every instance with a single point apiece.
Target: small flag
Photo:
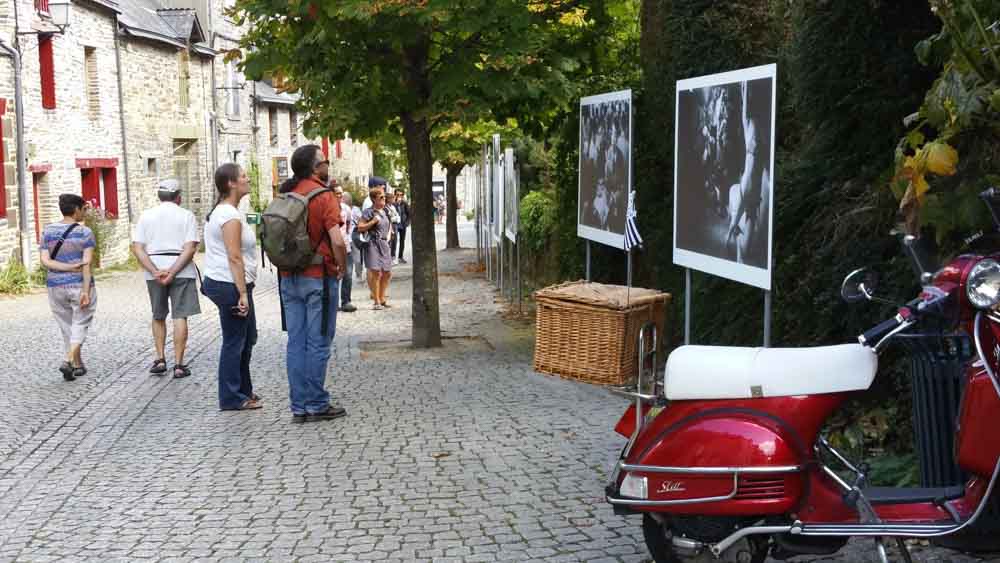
(632, 237)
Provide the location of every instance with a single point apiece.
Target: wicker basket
(589, 331)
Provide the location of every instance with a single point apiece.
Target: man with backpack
(302, 237)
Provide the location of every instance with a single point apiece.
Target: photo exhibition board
(605, 167)
(511, 206)
(723, 174)
(496, 167)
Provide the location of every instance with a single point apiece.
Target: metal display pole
(519, 284)
(588, 259)
(628, 273)
(500, 261)
(687, 306)
(767, 319)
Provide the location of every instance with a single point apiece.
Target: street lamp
(59, 11)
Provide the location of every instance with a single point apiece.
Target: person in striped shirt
(66, 249)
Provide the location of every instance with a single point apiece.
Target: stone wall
(57, 138)
(165, 138)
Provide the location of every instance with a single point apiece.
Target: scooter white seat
(721, 372)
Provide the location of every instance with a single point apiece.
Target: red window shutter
(3, 178)
(91, 186)
(46, 69)
(326, 148)
(42, 6)
(340, 150)
(111, 192)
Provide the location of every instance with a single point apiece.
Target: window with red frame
(42, 6)
(46, 69)
(100, 189)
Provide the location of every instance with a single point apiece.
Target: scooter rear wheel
(659, 541)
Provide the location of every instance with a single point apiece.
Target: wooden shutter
(110, 192)
(90, 183)
(340, 150)
(46, 69)
(3, 166)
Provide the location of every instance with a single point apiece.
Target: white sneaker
(394, 261)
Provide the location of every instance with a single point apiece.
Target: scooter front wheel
(660, 542)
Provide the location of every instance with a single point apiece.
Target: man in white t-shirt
(164, 242)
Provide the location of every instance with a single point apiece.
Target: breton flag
(632, 237)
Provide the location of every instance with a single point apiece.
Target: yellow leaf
(940, 157)
(920, 187)
(913, 166)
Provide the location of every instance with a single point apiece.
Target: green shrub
(40, 276)
(103, 227)
(14, 278)
(538, 220)
(253, 174)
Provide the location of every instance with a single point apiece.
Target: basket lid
(603, 295)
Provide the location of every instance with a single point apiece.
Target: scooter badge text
(671, 487)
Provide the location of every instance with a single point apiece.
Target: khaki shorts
(73, 320)
(180, 298)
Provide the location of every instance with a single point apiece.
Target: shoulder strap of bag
(62, 239)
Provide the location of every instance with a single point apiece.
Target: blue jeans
(308, 349)
(239, 334)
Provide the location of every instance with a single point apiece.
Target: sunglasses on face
(322, 162)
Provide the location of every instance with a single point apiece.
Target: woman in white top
(230, 271)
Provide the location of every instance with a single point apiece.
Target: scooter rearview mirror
(859, 285)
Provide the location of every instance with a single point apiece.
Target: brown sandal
(251, 404)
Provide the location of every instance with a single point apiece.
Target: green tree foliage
(457, 145)
(362, 64)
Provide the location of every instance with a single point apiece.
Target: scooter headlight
(983, 284)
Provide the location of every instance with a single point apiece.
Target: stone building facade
(9, 238)
(72, 119)
(131, 93)
(167, 102)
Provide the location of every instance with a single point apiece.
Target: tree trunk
(426, 315)
(451, 226)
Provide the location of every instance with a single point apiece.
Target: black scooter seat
(907, 495)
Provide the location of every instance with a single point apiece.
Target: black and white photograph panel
(511, 196)
(605, 166)
(497, 175)
(723, 174)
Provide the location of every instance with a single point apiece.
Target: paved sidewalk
(457, 454)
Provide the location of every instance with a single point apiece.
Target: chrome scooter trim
(719, 548)
(710, 470)
(982, 356)
(904, 530)
(644, 502)
(736, 471)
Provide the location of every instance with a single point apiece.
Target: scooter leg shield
(722, 462)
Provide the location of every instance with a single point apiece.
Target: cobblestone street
(457, 454)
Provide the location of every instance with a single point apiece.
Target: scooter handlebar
(871, 336)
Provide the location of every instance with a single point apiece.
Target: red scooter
(725, 459)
